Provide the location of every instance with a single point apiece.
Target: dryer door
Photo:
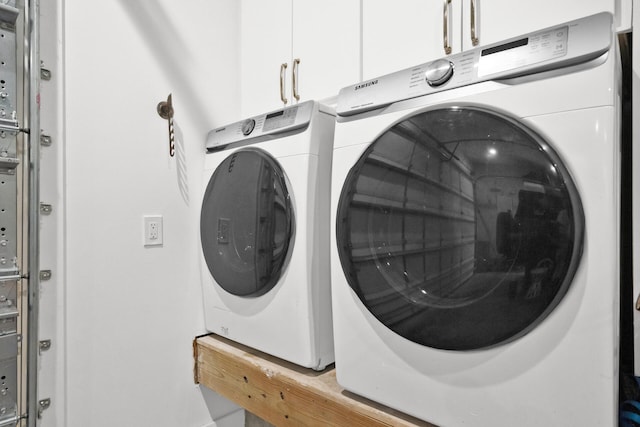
(460, 229)
(246, 223)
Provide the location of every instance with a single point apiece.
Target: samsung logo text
(367, 84)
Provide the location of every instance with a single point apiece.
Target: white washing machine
(264, 229)
(475, 212)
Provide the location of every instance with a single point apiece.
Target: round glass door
(459, 229)
(246, 223)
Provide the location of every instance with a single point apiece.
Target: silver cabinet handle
(283, 70)
(446, 26)
(474, 16)
(294, 79)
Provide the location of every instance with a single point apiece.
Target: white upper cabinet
(265, 44)
(326, 40)
(404, 33)
(296, 50)
(497, 20)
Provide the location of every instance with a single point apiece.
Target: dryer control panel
(556, 47)
(265, 126)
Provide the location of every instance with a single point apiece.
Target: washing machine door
(460, 228)
(246, 223)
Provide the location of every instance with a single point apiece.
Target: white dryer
(264, 229)
(475, 212)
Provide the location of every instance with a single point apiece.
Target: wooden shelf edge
(285, 394)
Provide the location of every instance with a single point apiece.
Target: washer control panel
(561, 46)
(438, 72)
(274, 123)
(248, 126)
(523, 52)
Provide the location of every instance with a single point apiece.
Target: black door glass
(459, 229)
(246, 223)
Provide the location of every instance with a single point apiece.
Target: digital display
(280, 119)
(506, 46)
(276, 114)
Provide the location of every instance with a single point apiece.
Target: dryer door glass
(459, 229)
(246, 223)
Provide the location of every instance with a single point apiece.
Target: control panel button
(439, 72)
(248, 126)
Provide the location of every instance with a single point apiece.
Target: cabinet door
(265, 44)
(403, 33)
(326, 40)
(497, 20)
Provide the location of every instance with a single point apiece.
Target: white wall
(130, 313)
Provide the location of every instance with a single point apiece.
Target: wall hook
(165, 110)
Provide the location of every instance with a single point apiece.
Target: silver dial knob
(247, 126)
(438, 72)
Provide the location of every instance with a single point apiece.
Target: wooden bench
(285, 394)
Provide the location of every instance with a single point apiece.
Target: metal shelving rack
(12, 191)
(19, 212)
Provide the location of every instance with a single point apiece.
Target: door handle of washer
(474, 18)
(294, 79)
(446, 26)
(283, 70)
